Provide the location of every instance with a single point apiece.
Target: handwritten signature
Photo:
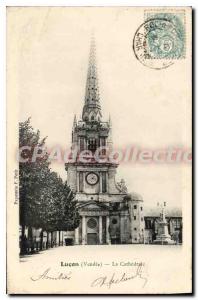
(47, 275)
(104, 281)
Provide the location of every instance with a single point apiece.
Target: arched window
(92, 145)
(81, 144)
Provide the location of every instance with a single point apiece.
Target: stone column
(107, 182)
(77, 181)
(108, 241)
(77, 236)
(100, 182)
(100, 229)
(83, 230)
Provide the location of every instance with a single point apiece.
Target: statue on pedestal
(163, 237)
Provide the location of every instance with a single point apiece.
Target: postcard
(99, 158)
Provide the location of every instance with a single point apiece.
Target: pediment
(93, 205)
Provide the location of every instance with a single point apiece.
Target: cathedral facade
(108, 213)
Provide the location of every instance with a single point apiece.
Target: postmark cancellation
(161, 39)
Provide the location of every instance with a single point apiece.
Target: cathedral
(108, 213)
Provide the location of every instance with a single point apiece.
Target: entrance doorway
(92, 239)
(92, 231)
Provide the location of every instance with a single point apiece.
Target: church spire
(92, 109)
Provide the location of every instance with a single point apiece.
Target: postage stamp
(161, 39)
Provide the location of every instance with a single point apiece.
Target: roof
(134, 196)
(175, 212)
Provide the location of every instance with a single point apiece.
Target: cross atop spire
(92, 108)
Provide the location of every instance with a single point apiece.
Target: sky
(148, 108)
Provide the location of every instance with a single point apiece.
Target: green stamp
(165, 37)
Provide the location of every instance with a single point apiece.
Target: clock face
(92, 178)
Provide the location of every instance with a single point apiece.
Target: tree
(61, 213)
(70, 213)
(32, 175)
(45, 201)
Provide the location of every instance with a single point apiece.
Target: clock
(92, 178)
